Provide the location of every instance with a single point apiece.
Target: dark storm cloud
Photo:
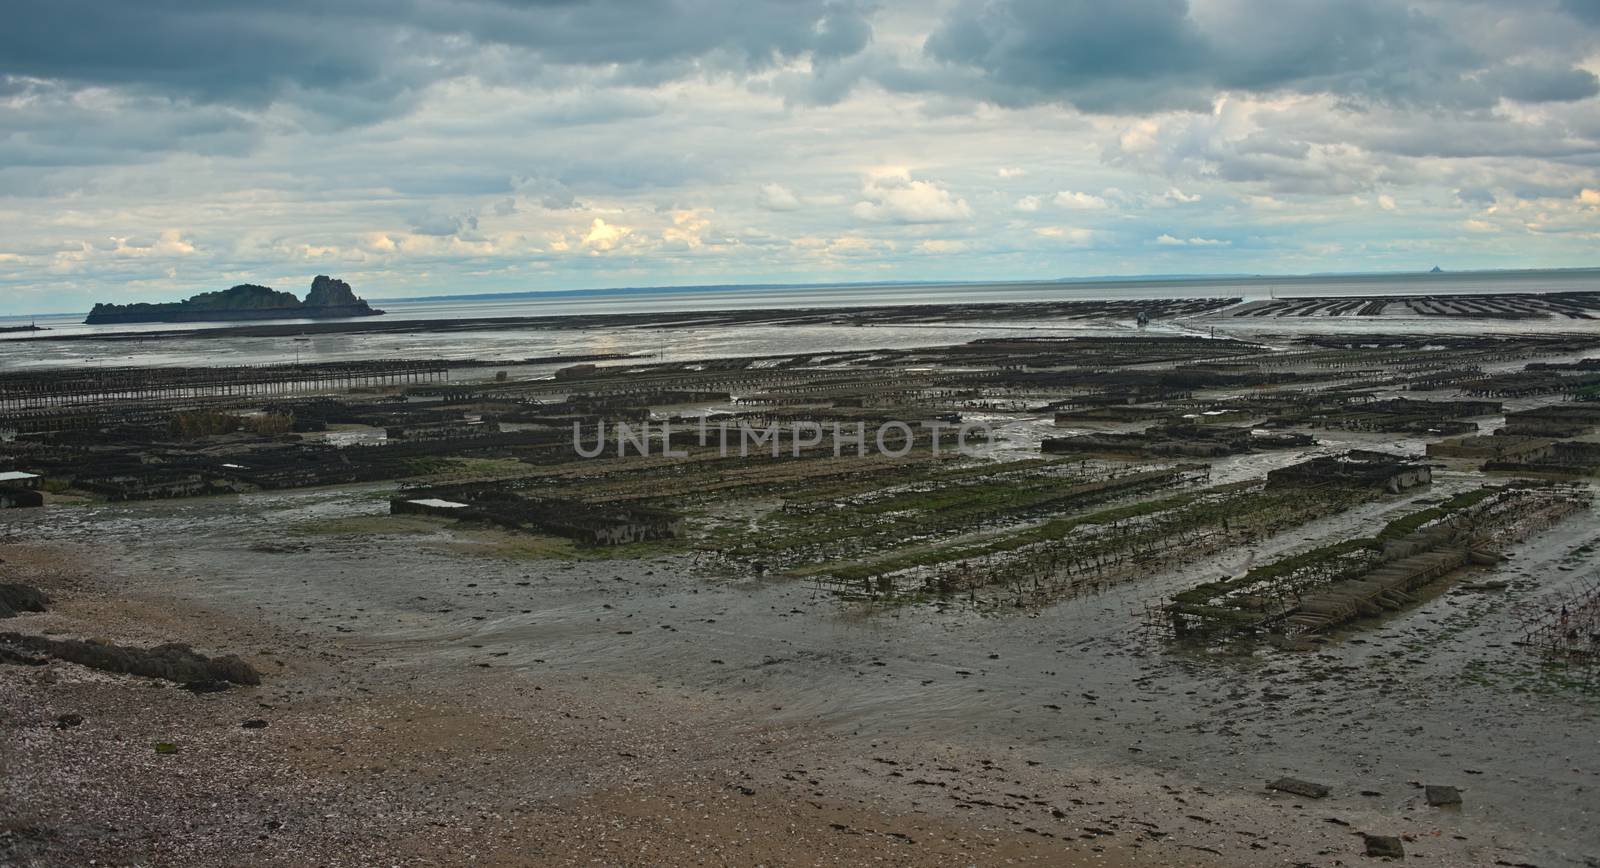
(1583, 10)
(755, 32)
(372, 54)
(1093, 54)
(48, 127)
(443, 224)
(244, 52)
(362, 61)
(1140, 55)
(1545, 84)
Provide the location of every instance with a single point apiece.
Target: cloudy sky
(149, 150)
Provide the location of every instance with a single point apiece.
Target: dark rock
(254, 723)
(17, 658)
(173, 661)
(69, 720)
(207, 685)
(330, 292)
(1441, 795)
(1384, 846)
(21, 598)
(1299, 788)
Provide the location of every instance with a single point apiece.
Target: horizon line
(708, 288)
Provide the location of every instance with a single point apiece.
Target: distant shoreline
(1227, 283)
(1374, 308)
(1076, 283)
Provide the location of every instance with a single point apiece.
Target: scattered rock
(1299, 788)
(17, 658)
(173, 661)
(1439, 796)
(21, 598)
(1384, 846)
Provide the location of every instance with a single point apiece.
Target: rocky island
(329, 298)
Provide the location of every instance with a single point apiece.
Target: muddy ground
(436, 694)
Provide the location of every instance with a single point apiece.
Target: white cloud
(1012, 172)
(1070, 235)
(1080, 201)
(1027, 204)
(1167, 240)
(169, 243)
(893, 197)
(855, 247)
(688, 229)
(379, 242)
(1386, 202)
(776, 197)
(603, 236)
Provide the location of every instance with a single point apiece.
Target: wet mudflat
(1436, 696)
(811, 656)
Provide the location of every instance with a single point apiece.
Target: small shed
(19, 479)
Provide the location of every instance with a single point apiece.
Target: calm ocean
(745, 340)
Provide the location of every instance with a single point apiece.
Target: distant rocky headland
(329, 299)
